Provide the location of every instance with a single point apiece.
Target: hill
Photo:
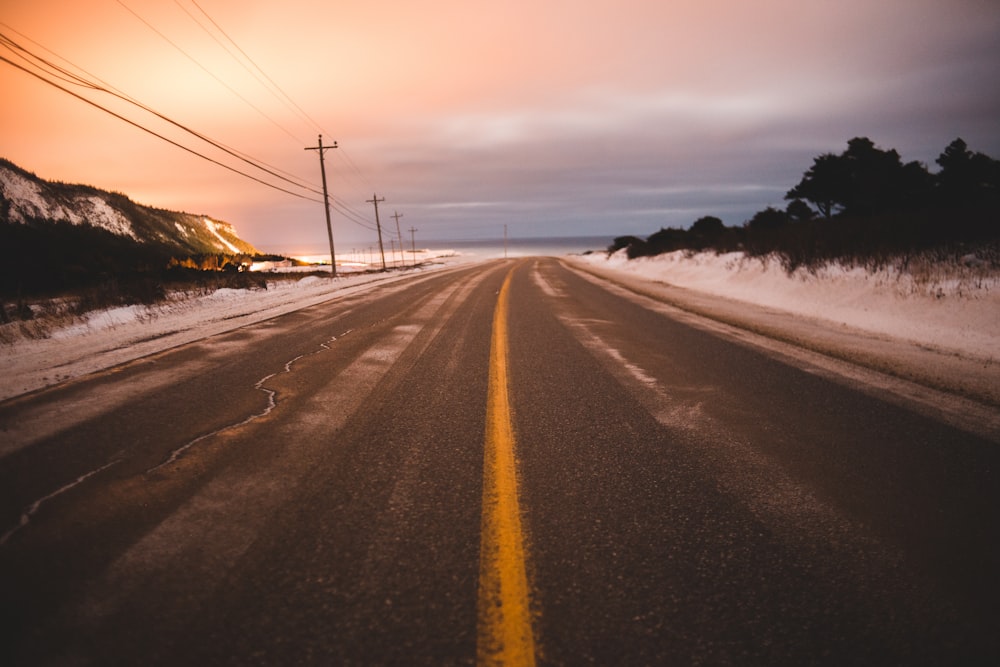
(57, 236)
(29, 200)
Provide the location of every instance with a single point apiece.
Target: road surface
(504, 463)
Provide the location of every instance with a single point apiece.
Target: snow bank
(102, 339)
(955, 308)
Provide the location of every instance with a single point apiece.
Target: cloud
(605, 115)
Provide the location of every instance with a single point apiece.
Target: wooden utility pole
(413, 245)
(399, 234)
(375, 200)
(326, 199)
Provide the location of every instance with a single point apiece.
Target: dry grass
(38, 318)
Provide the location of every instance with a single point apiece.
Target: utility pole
(505, 241)
(413, 245)
(399, 234)
(375, 200)
(326, 199)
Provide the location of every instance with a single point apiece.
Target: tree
(864, 180)
(622, 242)
(768, 219)
(705, 232)
(967, 179)
(823, 184)
(799, 211)
(667, 240)
(879, 182)
(708, 226)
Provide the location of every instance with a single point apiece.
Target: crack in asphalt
(272, 403)
(35, 506)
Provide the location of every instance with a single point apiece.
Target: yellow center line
(504, 612)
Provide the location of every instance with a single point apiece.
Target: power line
(326, 199)
(229, 51)
(375, 200)
(209, 72)
(345, 156)
(413, 244)
(152, 132)
(69, 77)
(341, 153)
(352, 215)
(94, 83)
(399, 234)
(304, 115)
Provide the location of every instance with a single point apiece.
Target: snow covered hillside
(27, 199)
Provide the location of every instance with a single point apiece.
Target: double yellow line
(505, 634)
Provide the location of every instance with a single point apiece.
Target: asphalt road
(320, 488)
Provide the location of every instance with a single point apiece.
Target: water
(524, 247)
(483, 248)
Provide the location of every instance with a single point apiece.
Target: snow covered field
(953, 317)
(103, 339)
(954, 308)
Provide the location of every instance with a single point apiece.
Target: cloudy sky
(554, 117)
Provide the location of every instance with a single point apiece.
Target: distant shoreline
(486, 247)
(354, 253)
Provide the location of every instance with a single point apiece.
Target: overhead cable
(71, 78)
(210, 73)
(153, 132)
(278, 88)
(342, 154)
(47, 69)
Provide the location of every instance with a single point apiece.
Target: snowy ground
(942, 322)
(103, 339)
(936, 326)
(955, 308)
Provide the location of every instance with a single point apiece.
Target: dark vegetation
(861, 207)
(49, 265)
(90, 267)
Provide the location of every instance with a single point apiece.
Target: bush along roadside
(862, 207)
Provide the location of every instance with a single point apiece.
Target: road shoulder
(962, 388)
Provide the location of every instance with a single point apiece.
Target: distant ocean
(485, 248)
(523, 247)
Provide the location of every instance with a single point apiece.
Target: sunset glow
(554, 118)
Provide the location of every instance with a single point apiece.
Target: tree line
(863, 205)
(90, 267)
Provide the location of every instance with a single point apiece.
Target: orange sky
(551, 116)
